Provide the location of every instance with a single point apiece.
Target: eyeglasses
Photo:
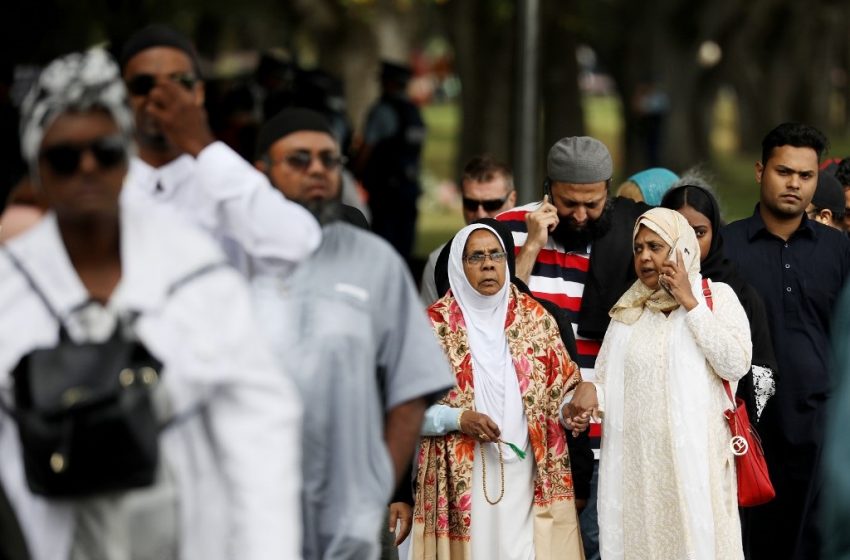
(142, 84)
(64, 159)
(492, 205)
(303, 159)
(478, 258)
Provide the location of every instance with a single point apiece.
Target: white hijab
(496, 387)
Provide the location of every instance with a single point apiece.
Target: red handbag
(754, 486)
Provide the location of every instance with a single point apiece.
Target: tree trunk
(483, 37)
(562, 112)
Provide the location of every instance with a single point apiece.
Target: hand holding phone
(674, 279)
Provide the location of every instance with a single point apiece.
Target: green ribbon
(520, 453)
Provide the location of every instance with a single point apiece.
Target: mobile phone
(671, 257)
(547, 188)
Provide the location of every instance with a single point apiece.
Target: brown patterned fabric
(545, 373)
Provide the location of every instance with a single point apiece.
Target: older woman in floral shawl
(494, 477)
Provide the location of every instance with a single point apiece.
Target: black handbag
(85, 412)
(86, 418)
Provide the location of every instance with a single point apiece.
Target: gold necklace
(484, 475)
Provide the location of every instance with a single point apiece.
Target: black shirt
(799, 281)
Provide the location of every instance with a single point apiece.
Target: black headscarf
(714, 265)
(718, 268)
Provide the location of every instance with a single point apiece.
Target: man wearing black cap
(576, 251)
(297, 151)
(388, 161)
(180, 164)
(827, 206)
(348, 324)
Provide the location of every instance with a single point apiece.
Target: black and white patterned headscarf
(75, 82)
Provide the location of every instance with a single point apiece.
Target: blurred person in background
(92, 275)
(648, 185)
(388, 161)
(181, 166)
(348, 325)
(827, 205)
(836, 509)
(842, 173)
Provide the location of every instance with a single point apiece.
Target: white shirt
(227, 197)
(235, 460)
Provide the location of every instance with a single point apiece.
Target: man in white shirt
(226, 421)
(180, 164)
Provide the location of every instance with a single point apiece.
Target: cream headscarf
(676, 232)
(688, 389)
(496, 387)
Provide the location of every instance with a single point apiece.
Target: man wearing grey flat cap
(576, 251)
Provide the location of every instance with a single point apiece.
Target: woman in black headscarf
(700, 208)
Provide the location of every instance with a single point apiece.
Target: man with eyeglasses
(348, 325)
(487, 188)
(180, 164)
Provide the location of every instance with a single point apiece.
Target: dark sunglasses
(142, 84)
(64, 159)
(472, 205)
(302, 159)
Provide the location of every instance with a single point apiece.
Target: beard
(325, 211)
(575, 239)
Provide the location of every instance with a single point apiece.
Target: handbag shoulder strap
(709, 301)
(31, 282)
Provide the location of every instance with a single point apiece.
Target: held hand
(576, 421)
(180, 116)
(674, 278)
(582, 407)
(400, 511)
(540, 223)
(480, 426)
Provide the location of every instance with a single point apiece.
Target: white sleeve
(252, 411)
(724, 334)
(441, 419)
(252, 212)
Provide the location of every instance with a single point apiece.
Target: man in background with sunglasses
(487, 188)
(350, 329)
(182, 166)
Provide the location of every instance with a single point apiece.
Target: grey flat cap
(579, 159)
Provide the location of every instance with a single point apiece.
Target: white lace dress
(654, 503)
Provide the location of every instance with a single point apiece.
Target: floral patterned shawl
(444, 495)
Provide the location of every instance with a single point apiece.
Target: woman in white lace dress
(667, 473)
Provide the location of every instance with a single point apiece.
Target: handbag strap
(174, 287)
(709, 301)
(32, 283)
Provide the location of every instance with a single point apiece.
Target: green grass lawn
(730, 172)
